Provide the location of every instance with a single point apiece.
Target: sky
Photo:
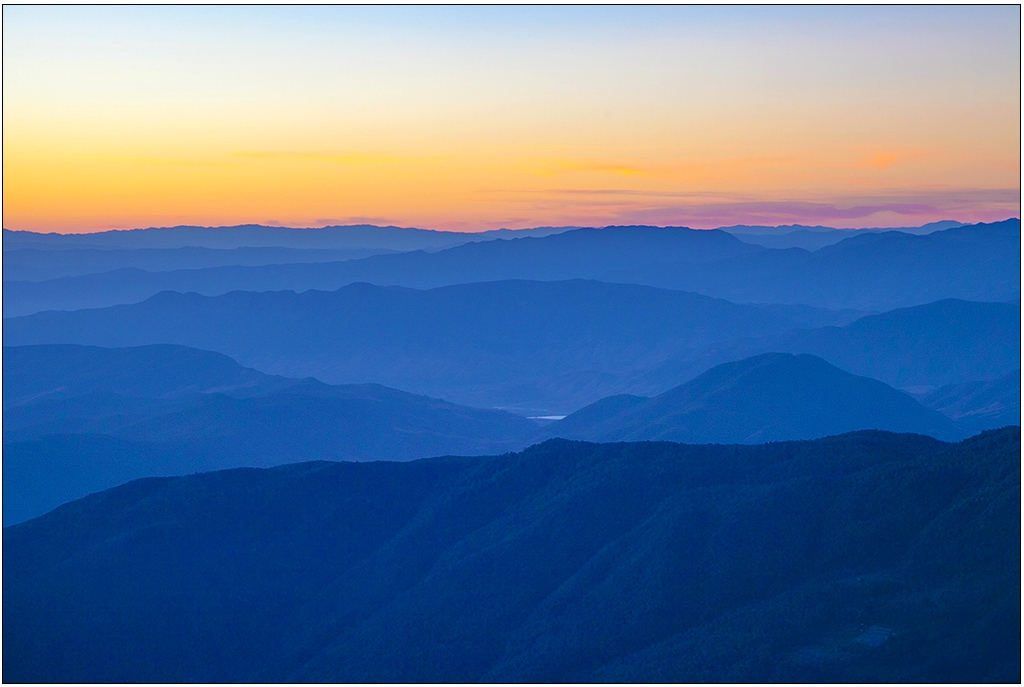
(475, 118)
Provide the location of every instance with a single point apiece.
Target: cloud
(880, 160)
(162, 161)
(896, 207)
(788, 212)
(345, 158)
(884, 159)
(770, 212)
(555, 167)
(703, 171)
(637, 193)
(605, 168)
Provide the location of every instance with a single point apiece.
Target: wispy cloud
(639, 193)
(681, 169)
(778, 211)
(884, 159)
(556, 167)
(880, 160)
(705, 210)
(163, 161)
(344, 158)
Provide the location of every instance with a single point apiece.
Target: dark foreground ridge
(865, 557)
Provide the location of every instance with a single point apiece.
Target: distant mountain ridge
(51, 372)
(352, 236)
(917, 349)
(783, 229)
(549, 347)
(872, 271)
(933, 344)
(579, 253)
(981, 404)
(770, 397)
(525, 345)
(776, 237)
(43, 264)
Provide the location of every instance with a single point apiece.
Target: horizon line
(796, 226)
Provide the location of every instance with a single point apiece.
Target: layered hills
(580, 253)
(866, 557)
(812, 238)
(41, 264)
(771, 397)
(80, 419)
(543, 347)
(869, 271)
(930, 345)
(352, 236)
(408, 550)
(979, 404)
(917, 349)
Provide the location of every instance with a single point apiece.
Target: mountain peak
(768, 397)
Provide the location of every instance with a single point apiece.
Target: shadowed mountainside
(81, 419)
(917, 349)
(979, 405)
(551, 347)
(933, 344)
(34, 374)
(867, 557)
(770, 397)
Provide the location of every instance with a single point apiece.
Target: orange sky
(476, 118)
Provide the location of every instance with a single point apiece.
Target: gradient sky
(472, 118)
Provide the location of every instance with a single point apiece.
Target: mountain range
(867, 557)
(542, 348)
(870, 271)
(580, 253)
(342, 236)
(770, 397)
(784, 229)
(42, 264)
(80, 419)
(916, 349)
(980, 404)
(814, 237)
(353, 454)
(538, 347)
(351, 236)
